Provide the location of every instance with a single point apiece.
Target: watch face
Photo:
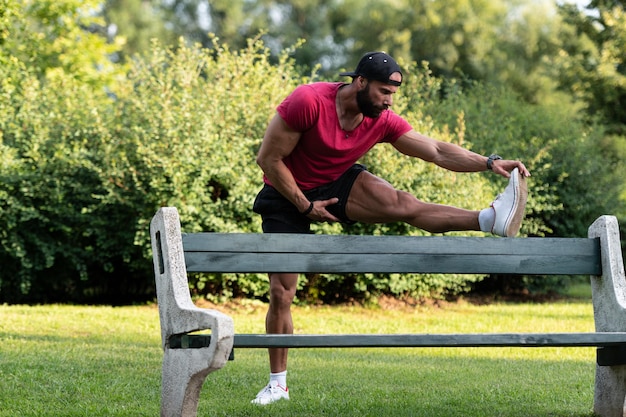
(492, 157)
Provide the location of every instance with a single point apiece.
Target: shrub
(570, 185)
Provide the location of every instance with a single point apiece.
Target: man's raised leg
(374, 200)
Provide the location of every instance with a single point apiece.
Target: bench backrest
(250, 252)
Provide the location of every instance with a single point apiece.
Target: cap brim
(349, 74)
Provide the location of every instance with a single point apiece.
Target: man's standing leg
(278, 321)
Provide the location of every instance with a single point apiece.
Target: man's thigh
(374, 200)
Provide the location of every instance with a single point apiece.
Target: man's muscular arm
(451, 156)
(278, 142)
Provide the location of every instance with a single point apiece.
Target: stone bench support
(184, 370)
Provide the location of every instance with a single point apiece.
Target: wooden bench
(189, 358)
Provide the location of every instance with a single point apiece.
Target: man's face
(375, 97)
(366, 104)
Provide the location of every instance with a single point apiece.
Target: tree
(136, 23)
(56, 38)
(504, 40)
(592, 63)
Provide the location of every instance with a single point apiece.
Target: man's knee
(282, 289)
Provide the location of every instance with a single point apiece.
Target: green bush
(570, 185)
(57, 241)
(83, 173)
(193, 121)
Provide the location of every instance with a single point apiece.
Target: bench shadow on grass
(406, 382)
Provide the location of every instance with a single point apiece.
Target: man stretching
(309, 159)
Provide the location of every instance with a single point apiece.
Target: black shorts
(281, 216)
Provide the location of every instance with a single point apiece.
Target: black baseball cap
(376, 66)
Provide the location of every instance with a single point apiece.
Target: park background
(112, 109)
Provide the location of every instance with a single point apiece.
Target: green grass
(105, 361)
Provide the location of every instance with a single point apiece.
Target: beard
(366, 105)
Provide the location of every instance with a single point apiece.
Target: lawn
(105, 361)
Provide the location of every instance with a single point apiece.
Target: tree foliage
(592, 63)
(57, 38)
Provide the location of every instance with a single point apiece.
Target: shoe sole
(271, 401)
(514, 222)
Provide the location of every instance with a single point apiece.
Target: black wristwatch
(492, 157)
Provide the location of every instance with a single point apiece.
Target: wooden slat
(245, 253)
(431, 340)
(411, 340)
(296, 243)
(232, 252)
(391, 263)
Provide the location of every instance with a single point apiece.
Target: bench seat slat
(412, 340)
(432, 340)
(391, 263)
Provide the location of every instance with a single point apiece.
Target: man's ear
(361, 82)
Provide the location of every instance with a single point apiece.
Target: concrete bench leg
(184, 372)
(184, 369)
(609, 311)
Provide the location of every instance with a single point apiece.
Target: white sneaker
(509, 206)
(271, 393)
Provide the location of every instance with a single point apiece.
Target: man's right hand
(319, 212)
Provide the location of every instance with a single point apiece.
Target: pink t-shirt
(325, 151)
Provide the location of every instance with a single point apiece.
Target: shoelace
(271, 389)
